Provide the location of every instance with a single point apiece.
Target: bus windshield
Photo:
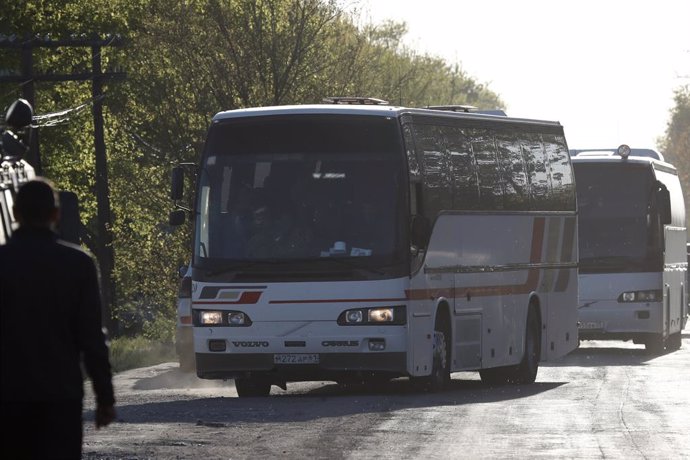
(617, 218)
(301, 190)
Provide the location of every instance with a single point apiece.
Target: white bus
(357, 242)
(632, 235)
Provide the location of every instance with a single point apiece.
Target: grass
(132, 352)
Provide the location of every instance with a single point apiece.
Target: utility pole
(27, 78)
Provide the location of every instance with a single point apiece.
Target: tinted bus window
(513, 170)
(616, 229)
(490, 184)
(563, 188)
(535, 158)
(436, 169)
(464, 169)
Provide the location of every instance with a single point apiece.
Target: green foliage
(130, 353)
(185, 61)
(675, 145)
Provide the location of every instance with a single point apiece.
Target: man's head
(37, 204)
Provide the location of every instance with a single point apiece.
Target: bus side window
(535, 158)
(513, 170)
(411, 153)
(435, 169)
(486, 157)
(561, 172)
(463, 169)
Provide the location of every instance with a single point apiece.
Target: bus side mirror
(177, 183)
(419, 233)
(664, 203)
(176, 217)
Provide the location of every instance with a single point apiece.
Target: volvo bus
(632, 235)
(354, 241)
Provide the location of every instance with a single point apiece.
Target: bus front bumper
(329, 366)
(611, 320)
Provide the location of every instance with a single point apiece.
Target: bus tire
(654, 344)
(494, 376)
(439, 378)
(674, 342)
(251, 387)
(526, 371)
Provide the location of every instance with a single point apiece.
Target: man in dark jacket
(50, 320)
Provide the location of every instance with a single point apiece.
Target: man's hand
(104, 415)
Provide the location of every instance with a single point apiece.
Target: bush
(132, 352)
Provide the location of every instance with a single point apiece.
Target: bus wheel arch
(535, 305)
(526, 370)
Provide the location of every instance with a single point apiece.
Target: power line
(63, 116)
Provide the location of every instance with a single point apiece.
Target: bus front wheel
(248, 387)
(440, 370)
(674, 341)
(654, 344)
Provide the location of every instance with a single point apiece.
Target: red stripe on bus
(398, 299)
(247, 298)
(484, 291)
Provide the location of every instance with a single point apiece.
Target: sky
(605, 69)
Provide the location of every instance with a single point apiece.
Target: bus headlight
(650, 295)
(354, 316)
(236, 318)
(373, 316)
(211, 318)
(381, 315)
(220, 318)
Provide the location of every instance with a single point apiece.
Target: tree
(186, 61)
(675, 145)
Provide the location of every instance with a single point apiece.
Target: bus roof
(606, 157)
(375, 110)
(637, 152)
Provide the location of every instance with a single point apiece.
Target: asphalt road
(606, 400)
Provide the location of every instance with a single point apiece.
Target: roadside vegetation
(185, 61)
(133, 352)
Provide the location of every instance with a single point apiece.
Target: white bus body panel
(487, 269)
(300, 317)
(600, 310)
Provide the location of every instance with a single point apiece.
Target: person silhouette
(50, 320)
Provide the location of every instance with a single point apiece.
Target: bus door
(674, 277)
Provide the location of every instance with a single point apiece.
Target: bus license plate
(296, 358)
(591, 325)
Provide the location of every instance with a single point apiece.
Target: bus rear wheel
(494, 376)
(526, 371)
(249, 387)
